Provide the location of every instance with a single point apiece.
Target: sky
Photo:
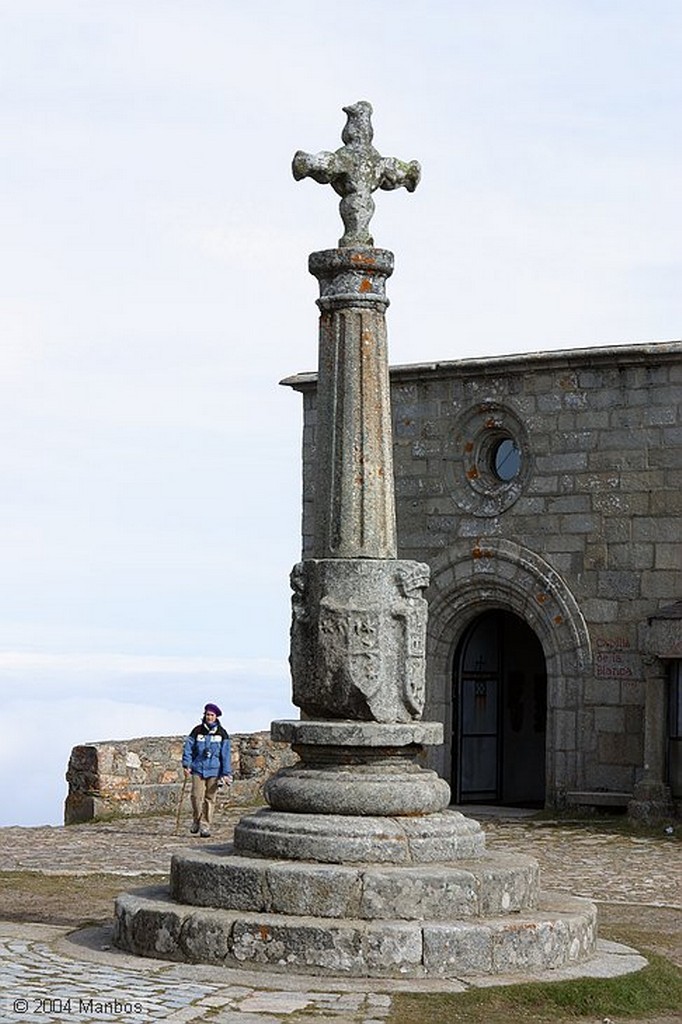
(154, 291)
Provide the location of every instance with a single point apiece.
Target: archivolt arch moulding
(471, 577)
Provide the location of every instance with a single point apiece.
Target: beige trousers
(204, 792)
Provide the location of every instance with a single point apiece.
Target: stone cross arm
(396, 174)
(355, 171)
(319, 167)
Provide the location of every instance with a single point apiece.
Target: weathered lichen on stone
(355, 171)
(358, 638)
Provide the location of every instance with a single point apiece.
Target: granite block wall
(582, 540)
(142, 776)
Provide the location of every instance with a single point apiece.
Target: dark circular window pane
(506, 459)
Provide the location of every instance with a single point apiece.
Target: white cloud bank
(51, 703)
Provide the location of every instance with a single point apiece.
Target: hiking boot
(204, 833)
(195, 828)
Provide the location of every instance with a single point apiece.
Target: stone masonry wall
(141, 776)
(600, 502)
(596, 505)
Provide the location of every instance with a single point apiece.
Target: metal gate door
(500, 690)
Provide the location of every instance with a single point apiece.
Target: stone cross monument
(355, 171)
(359, 617)
(357, 867)
(359, 620)
(354, 497)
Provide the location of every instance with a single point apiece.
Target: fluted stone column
(354, 491)
(359, 617)
(358, 635)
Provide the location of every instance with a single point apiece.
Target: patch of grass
(77, 900)
(655, 989)
(604, 820)
(658, 929)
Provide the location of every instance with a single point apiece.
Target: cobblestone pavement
(47, 977)
(43, 979)
(609, 868)
(603, 866)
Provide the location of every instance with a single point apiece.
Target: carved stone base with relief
(358, 638)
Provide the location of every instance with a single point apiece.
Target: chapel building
(544, 491)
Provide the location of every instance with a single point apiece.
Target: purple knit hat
(214, 708)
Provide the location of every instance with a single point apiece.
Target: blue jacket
(207, 752)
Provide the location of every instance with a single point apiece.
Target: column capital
(352, 277)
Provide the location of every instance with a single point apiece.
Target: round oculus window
(487, 459)
(506, 459)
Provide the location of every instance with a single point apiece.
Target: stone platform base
(495, 883)
(360, 897)
(359, 893)
(560, 932)
(354, 839)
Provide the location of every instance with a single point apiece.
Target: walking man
(206, 757)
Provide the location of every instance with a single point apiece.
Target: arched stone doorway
(499, 712)
(489, 574)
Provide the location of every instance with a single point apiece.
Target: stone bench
(598, 798)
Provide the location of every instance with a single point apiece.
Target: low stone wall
(143, 776)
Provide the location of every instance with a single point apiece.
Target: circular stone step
(560, 932)
(351, 839)
(312, 732)
(495, 883)
(357, 790)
